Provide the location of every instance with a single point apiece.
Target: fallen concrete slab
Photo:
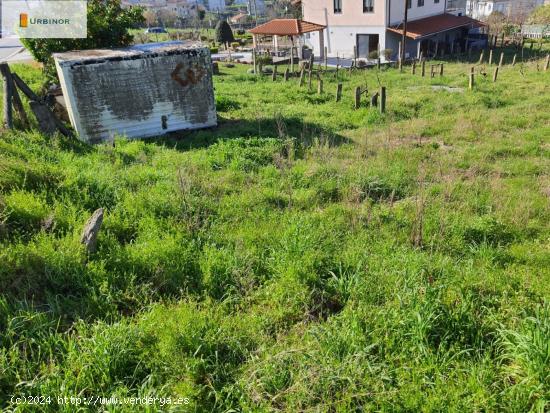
(141, 91)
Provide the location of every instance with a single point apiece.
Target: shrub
(213, 50)
(224, 34)
(234, 45)
(374, 54)
(387, 53)
(108, 25)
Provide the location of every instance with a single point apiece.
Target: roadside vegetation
(302, 256)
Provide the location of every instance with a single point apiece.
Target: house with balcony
(367, 26)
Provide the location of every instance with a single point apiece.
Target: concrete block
(141, 91)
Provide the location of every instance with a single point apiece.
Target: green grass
(303, 256)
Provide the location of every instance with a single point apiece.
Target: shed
(140, 91)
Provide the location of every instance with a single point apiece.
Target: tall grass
(303, 256)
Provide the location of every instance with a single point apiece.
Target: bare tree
(150, 17)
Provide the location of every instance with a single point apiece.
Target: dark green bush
(224, 34)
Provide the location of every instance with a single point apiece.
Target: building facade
(367, 26)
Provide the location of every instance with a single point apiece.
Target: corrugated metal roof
(287, 27)
(435, 24)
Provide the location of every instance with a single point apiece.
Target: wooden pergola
(290, 28)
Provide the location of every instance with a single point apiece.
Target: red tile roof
(435, 24)
(286, 27)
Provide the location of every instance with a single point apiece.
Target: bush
(224, 34)
(387, 53)
(234, 45)
(108, 25)
(213, 50)
(374, 54)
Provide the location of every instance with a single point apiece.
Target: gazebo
(288, 27)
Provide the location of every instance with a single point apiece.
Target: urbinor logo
(24, 20)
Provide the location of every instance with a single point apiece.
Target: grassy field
(303, 256)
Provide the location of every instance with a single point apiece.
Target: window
(368, 6)
(420, 3)
(337, 6)
(409, 4)
(436, 1)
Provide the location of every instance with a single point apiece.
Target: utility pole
(404, 38)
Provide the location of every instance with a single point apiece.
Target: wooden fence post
(47, 121)
(357, 102)
(15, 99)
(302, 77)
(432, 71)
(413, 69)
(490, 57)
(311, 59)
(292, 60)
(547, 64)
(514, 59)
(383, 99)
(17, 104)
(471, 83)
(320, 86)
(254, 59)
(339, 92)
(286, 75)
(501, 61)
(378, 63)
(274, 74)
(7, 96)
(399, 57)
(441, 69)
(481, 57)
(355, 56)
(326, 58)
(495, 75)
(423, 68)
(374, 100)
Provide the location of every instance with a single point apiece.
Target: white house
(367, 26)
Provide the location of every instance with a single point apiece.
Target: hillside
(303, 256)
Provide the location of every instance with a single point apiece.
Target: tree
(496, 21)
(150, 17)
(108, 25)
(224, 34)
(541, 15)
(167, 17)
